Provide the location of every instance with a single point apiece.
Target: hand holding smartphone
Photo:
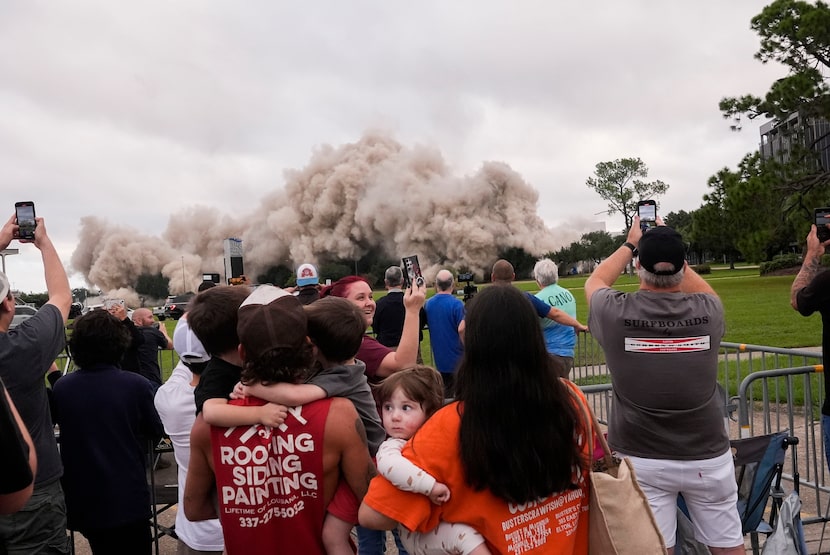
(647, 210)
(412, 271)
(25, 214)
(822, 220)
(110, 303)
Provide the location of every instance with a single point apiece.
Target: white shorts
(710, 491)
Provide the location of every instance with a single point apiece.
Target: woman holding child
(512, 450)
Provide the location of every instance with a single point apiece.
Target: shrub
(780, 262)
(702, 268)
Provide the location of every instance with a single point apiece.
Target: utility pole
(7, 252)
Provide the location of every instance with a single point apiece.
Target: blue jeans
(373, 542)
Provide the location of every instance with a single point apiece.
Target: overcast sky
(132, 111)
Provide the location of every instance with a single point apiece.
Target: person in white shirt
(177, 409)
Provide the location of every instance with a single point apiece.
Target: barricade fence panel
(767, 389)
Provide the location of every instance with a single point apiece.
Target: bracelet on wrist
(634, 250)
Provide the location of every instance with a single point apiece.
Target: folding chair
(165, 495)
(759, 465)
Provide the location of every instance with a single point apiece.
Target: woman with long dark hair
(512, 449)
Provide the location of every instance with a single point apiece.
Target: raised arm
(57, 284)
(406, 355)
(606, 274)
(810, 266)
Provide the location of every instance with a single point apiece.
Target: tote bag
(620, 521)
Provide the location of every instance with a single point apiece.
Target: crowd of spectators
(293, 426)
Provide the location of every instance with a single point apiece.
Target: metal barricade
(767, 389)
(589, 361)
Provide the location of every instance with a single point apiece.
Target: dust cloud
(372, 195)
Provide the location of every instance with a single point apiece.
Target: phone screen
(412, 271)
(25, 213)
(648, 212)
(822, 219)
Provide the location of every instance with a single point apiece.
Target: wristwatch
(634, 250)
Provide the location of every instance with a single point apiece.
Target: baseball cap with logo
(307, 275)
(271, 318)
(4, 286)
(662, 244)
(187, 345)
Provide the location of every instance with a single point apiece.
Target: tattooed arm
(810, 266)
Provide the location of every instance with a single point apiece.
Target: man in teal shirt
(559, 338)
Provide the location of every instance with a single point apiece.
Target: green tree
(621, 184)
(152, 285)
(521, 260)
(713, 228)
(680, 221)
(334, 271)
(746, 205)
(37, 299)
(597, 245)
(795, 34)
(280, 275)
(591, 247)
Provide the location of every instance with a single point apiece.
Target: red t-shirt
(372, 353)
(556, 524)
(269, 482)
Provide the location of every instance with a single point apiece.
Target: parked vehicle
(22, 312)
(176, 306)
(158, 312)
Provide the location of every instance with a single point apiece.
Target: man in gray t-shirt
(26, 354)
(661, 345)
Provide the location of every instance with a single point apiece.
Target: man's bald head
(502, 272)
(444, 280)
(143, 317)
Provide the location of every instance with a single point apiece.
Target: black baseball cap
(662, 244)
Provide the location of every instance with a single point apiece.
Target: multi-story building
(779, 138)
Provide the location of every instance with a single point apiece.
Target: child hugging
(407, 398)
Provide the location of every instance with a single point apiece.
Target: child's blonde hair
(422, 384)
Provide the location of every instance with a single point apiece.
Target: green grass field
(757, 310)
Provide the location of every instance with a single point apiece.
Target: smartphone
(412, 271)
(822, 219)
(109, 303)
(25, 213)
(647, 209)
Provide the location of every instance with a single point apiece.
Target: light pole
(7, 252)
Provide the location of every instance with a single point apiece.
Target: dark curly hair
(98, 337)
(279, 365)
